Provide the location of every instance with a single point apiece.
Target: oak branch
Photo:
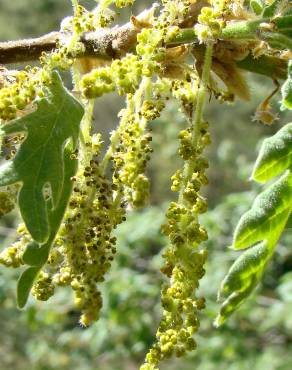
(112, 43)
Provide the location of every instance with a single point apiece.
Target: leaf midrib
(271, 165)
(262, 225)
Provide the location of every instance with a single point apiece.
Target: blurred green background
(47, 336)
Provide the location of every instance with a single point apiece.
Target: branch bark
(112, 43)
(104, 43)
(27, 50)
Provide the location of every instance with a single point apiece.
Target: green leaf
(277, 40)
(265, 65)
(275, 155)
(241, 279)
(260, 227)
(286, 90)
(268, 215)
(24, 285)
(39, 162)
(35, 254)
(55, 214)
(257, 6)
(45, 161)
(271, 10)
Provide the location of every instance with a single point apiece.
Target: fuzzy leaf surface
(271, 10)
(39, 162)
(241, 279)
(257, 6)
(275, 155)
(267, 217)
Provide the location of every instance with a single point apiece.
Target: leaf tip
(24, 285)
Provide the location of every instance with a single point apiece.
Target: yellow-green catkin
(85, 248)
(20, 90)
(130, 143)
(43, 288)
(184, 259)
(8, 198)
(132, 151)
(124, 3)
(135, 76)
(12, 255)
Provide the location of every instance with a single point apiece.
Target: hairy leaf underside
(260, 228)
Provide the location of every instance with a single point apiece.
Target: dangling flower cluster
(20, 90)
(8, 196)
(124, 3)
(12, 255)
(43, 288)
(131, 143)
(122, 75)
(184, 262)
(130, 147)
(131, 156)
(84, 248)
(210, 21)
(68, 45)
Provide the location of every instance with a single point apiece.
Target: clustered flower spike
(184, 261)
(84, 248)
(124, 3)
(12, 255)
(122, 75)
(131, 157)
(19, 89)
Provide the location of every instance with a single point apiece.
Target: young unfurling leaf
(257, 6)
(39, 161)
(241, 279)
(262, 224)
(276, 6)
(268, 215)
(275, 155)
